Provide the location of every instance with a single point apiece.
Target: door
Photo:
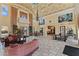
(62, 33)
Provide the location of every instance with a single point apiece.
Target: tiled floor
(49, 47)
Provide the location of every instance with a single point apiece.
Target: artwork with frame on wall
(23, 17)
(4, 10)
(41, 21)
(67, 17)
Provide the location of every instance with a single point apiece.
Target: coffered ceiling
(46, 8)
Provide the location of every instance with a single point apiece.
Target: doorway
(30, 30)
(62, 32)
(41, 31)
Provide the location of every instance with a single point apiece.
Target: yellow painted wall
(54, 19)
(27, 11)
(22, 9)
(77, 20)
(5, 20)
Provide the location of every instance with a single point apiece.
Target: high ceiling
(47, 8)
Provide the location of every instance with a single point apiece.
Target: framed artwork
(51, 30)
(23, 17)
(60, 19)
(67, 17)
(4, 9)
(41, 21)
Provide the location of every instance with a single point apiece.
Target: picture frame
(65, 18)
(23, 17)
(41, 21)
(5, 10)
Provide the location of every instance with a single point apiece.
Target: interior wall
(5, 20)
(30, 19)
(36, 26)
(9, 20)
(54, 21)
(14, 15)
(77, 20)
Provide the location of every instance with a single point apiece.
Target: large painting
(23, 17)
(4, 10)
(67, 17)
